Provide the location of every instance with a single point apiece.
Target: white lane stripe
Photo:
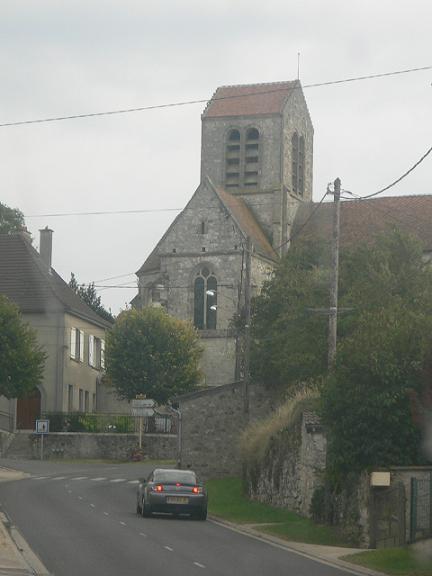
(40, 478)
(97, 479)
(92, 505)
(133, 482)
(199, 565)
(168, 548)
(123, 523)
(142, 534)
(118, 480)
(80, 497)
(58, 478)
(106, 513)
(80, 478)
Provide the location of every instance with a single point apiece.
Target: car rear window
(172, 476)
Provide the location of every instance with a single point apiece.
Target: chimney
(45, 246)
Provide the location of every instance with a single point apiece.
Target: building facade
(256, 168)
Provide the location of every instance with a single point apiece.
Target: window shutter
(81, 346)
(91, 350)
(102, 356)
(73, 343)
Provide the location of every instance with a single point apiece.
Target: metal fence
(421, 508)
(388, 517)
(110, 423)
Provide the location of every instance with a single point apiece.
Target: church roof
(26, 281)
(249, 99)
(362, 220)
(247, 222)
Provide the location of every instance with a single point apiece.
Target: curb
(295, 547)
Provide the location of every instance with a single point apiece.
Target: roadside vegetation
(396, 561)
(227, 501)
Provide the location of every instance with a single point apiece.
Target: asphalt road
(80, 520)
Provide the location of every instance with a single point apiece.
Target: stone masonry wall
(212, 422)
(94, 446)
(291, 470)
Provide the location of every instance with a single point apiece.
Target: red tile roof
(362, 220)
(249, 99)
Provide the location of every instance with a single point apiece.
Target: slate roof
(24, 279)
(250, 99)
(362, 220)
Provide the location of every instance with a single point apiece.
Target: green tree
(383, 341)
(22, 360)
(87, 292)
(289, 337)
(11, 219)
(150, 352)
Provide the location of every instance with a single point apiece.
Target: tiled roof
(24, 279)
(362, 220)
(249, 99)
(247, 223)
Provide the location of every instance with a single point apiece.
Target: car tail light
(157, 488)
(196, 489)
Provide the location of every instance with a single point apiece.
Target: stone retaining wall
(94, 446)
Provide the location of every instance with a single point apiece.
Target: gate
(421, 508)
(28, 410)
(388, 517)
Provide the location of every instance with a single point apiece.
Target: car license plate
(177, 500)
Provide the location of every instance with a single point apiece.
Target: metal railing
(110, 423)
(421, 508)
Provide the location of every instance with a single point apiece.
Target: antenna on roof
(298, 65)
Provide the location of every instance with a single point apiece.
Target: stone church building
(256, 169)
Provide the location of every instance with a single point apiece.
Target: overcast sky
(64, 58)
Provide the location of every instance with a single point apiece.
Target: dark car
(172, 491)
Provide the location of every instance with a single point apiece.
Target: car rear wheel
(202, 514)
(145, 509)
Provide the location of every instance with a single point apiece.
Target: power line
(413, 167)
(202, 101)
(103, 212)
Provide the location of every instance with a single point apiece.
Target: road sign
(42, 426)
(143, 403)
(142, 411)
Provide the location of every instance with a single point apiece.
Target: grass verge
(395, 561)
(226, 500)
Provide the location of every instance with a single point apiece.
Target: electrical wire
(213, 99)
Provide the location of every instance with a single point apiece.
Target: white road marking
(80, 497)
(123, 523)
(142, 534)
(106, 513)
(97, 479)
(80, 478)
(92, 505)
(199, 565)
(168, 548)
(40, 478)
(118, 480)
(58, 478)
(133, 482)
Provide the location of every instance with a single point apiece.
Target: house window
(298, 162)
(86, 401)
(76, 348)
(70, 398)
(205, 299)
(81, 400)
(242, 157)
(96, 352)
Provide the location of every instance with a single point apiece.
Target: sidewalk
(16, 558)
(330, 555)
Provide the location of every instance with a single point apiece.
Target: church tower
(257, 144)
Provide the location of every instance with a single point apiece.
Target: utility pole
(333, 312)
(247, 308)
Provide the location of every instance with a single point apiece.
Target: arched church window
(232, 159)
(251, 158)
(298, 163)
(205, 299)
